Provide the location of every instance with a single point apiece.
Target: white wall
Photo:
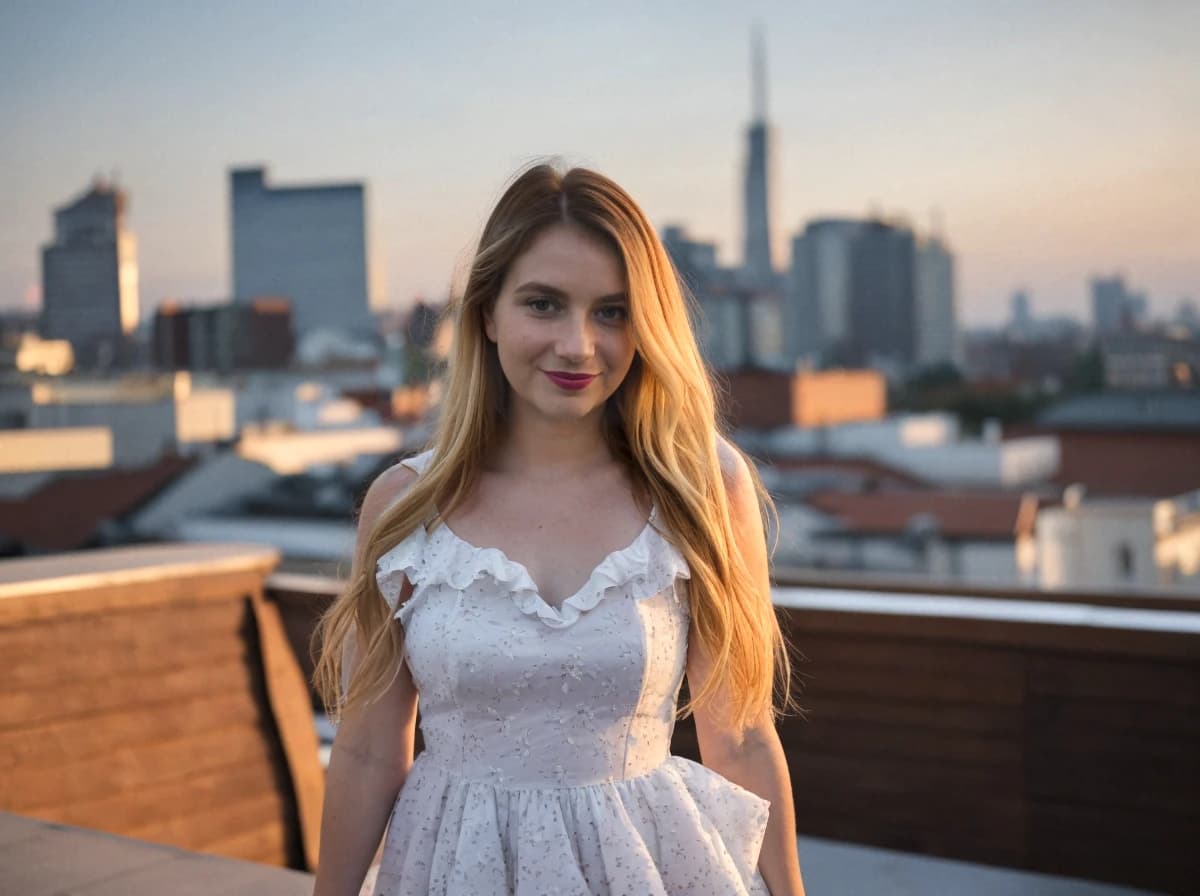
(1177, 530)
(1011, 463)
(60, 448)
(295, 452)
(206, 415)
(928, 447)
(141, 431)
(1105, 544)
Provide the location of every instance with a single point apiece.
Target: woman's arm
(372, 752)
(751, 757)
(370, 760)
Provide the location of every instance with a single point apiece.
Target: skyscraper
(1020, 323)
(307, 244)
(936, 338)
(816, 312)
(882, 323)
(756, 256)
(90, 276)
(1114, 308)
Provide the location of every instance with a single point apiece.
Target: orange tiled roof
(958, 514)
(65, 513)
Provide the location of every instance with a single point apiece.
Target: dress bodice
(520, 692)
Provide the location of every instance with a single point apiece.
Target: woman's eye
(614, 313)
(541, 305)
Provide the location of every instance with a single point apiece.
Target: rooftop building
(307, 244)
(90, 277)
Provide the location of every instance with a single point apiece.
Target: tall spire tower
(756, 255)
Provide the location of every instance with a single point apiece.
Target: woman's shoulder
(735, 469)
(390, 485)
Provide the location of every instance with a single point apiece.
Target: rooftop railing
(160, 693)
(152, 692)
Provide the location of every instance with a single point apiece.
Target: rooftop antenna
(759, 71)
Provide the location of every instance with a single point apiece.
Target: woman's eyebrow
(548, 290)
(544, 288)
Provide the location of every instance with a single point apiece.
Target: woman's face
(561, 326)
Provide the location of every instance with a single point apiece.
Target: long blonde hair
(661, 423)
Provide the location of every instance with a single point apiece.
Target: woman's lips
(572, 381)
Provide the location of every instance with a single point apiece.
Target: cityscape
(1035, 453)
(894, 438)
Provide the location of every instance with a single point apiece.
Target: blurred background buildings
(893, 440)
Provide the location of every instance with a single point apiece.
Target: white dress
(546, 767)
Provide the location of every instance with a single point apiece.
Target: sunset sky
(1058, 140)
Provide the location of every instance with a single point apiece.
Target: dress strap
(418, 462)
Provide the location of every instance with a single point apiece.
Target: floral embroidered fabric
(546, 767)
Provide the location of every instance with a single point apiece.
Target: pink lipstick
(572, 381)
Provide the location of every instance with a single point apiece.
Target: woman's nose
(575, 341)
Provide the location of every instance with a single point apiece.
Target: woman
(577, 434)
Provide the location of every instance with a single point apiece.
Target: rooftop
(1126, 410)
(68, 512)
(979, 515)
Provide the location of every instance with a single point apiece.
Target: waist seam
(498, 781)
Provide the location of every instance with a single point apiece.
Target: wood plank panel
(153, 805)
(806, 627)
(76, 647)
(119, 593)
(830, 710)
(229, 670)
(144, 703)
(133, 767)
(1005, 686)
(291, 713)
(263, 845)
(56, 742)
(1101, 716)
(198, 830)
(1115, 676)
(868, 739)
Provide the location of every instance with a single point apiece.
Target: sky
(1055, 141)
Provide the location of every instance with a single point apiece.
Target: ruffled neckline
(643, 568)
(627, 565)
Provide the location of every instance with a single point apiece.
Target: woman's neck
(548, 449)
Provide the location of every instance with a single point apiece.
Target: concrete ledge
(39, 858)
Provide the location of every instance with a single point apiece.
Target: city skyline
(1058, 144)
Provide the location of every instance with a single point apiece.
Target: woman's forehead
(572, 261)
